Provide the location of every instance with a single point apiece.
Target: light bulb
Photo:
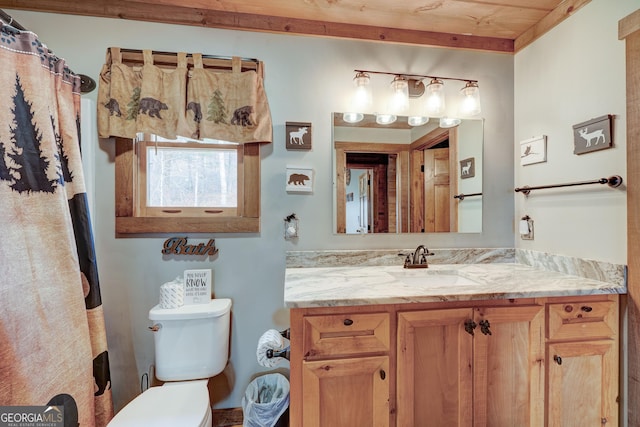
(470, 103)
(434, 98)
(449, 122)
(385, 119)
(417, 120)
(362, 98)
(399, 101)
(352, 117)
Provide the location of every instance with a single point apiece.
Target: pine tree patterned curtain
(54, 349)
(195, 102)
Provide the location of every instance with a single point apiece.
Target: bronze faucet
(418, 259)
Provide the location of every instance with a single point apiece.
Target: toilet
(191, 345)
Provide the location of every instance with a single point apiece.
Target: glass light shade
(417, 120)
(399, 102)
(470, 102)
(434, 98)
(352, 117)
(449, 122)
(362, 98)
(416, 115)
(386, 119)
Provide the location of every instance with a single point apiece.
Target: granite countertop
(392, 284)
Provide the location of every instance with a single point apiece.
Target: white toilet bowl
(183, 404)
(191, 346)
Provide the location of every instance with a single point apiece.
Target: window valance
(174, 95)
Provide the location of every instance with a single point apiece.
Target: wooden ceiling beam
(559, 14)
(123, 9)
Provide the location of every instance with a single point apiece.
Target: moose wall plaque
(593, 135)
(298, 136)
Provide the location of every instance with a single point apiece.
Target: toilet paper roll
(171, 295)
(271, 340)
(524, 226)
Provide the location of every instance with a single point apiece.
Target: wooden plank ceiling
(491, 25)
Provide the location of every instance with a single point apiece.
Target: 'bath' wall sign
(179, 246)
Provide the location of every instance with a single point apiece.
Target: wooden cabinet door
(508, 364)
(448, 377)
(583, 384)
(346, 392)
(434, 373)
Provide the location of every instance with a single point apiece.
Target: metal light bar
(416, 76)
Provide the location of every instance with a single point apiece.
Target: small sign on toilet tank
(197, 286)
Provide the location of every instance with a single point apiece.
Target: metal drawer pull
(558, 359)
(383, 374)
(484, 327)
(586, 308)
(348, 322)
(469, 326)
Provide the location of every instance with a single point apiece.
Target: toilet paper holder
(282, 353)
(270, 353)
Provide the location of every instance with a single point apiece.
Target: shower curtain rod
(87, 84)
(8, 20)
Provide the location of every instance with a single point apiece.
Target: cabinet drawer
(582, 320)
(342, 334)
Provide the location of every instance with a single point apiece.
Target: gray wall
(572, 74)
(306, 79)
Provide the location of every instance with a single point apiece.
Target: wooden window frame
(130, 220)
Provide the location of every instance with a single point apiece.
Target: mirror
(402, 179)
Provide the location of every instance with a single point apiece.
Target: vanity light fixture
(399, 101)
(470, 103)
(435, 101)
(406, 89)
(361, 100)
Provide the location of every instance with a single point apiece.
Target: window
(188, 179)
(186, 186)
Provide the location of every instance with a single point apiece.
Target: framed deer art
(593, 135)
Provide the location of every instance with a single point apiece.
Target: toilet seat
(184, 404)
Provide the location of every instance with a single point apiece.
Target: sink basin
(432, 277)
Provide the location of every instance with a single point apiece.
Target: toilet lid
(174, 404)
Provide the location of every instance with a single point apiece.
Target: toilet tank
(191, 341)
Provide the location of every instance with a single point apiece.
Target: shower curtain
(53, 347)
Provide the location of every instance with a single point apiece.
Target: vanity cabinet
(582, 354)
(345, 373)
(528, 362)
(469, 366)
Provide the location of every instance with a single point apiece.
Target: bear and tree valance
(182, 94)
